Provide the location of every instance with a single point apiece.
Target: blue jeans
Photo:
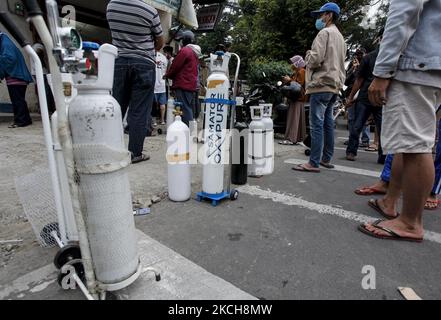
(322, 127)
(186, 98)
(365, 134)
(362, 111)
(133, 88)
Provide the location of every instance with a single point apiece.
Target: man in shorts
(408, 85)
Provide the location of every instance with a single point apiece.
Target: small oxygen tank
(239, 166)
(170, 109)
(268, 139)
(178, 159)
(256, 158)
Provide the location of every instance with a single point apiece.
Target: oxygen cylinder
(268, 139)
(178, 156)
(170, 109)
(101, 159)
(256, 161)
(216, 116)
(239, 166)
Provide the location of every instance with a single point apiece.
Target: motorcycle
(268, 93)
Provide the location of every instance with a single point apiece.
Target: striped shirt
(134, 26)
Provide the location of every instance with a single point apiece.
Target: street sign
(208, 17)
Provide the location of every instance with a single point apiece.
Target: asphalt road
(291, 235)
(279, 243)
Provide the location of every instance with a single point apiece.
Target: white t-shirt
(161, 69)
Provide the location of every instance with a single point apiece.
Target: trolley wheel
(77, 264)
(159, 131)
(66, 254)
(45, 233)
(234, 195)
(308, 152)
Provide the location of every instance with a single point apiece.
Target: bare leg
(417, 180)
(390, 201)
(162, 111)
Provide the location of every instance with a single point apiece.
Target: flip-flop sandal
(301, 167)
(13, 126)
(435, 204)
(367, 191)
(392, 235)
(327, 165)
(140, 158)
(373, 203)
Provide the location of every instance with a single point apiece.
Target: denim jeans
(186, 98)
(362, 111)
(133, 88)
(387, 168)
(322, 127)
(365, 136)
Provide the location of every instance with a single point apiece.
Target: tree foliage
(275, 30)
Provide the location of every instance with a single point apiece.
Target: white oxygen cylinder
(170, 109)
(216, 116)
(256, 158)
(268, 139)
(178, 160)
(102, 158)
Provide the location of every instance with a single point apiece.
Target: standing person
(408, 83)
(13, 68)
(295, 122)
(160, 89)
(363, 108)
(137, 33)
(351, 76)
(325, 76)
(168, 51)
(196, 105)
(184, 73)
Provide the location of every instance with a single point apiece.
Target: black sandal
(141, 158)
(391, 235)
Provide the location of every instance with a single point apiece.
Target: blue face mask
(319, 24)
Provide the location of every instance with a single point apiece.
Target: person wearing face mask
(325, 76)
(295, 123)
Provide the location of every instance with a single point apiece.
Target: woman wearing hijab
(295, 122)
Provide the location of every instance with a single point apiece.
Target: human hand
(286, 79)
(349, 102)
(378, 91)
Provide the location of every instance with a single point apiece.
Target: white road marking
(292, 200)
(359, 150)
(363, 172)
